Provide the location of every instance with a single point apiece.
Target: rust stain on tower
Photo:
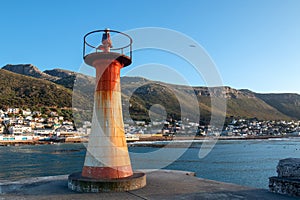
(107, 153)
(107, 164)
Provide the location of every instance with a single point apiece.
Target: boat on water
(53, 138)
(44, 138)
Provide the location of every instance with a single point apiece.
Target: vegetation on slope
(23, 91)
(139, 95)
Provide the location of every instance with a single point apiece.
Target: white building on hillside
(19, 129)
(26, 112)
(13, 110)
(44, 132)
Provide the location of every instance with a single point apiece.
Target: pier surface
(161, 184)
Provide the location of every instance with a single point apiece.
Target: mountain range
(24, 85)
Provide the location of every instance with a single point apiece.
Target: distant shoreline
(161, 138)
(151, 139)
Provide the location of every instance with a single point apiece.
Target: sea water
(243, 162)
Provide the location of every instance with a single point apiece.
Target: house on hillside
(39, 125)
(19, 129)
(36, 113)
(26, 112)
(44, 132)
(1, 129)
(2, 114)
(13, 110)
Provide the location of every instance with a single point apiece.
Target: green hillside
(139, 96)
(24, 91)
(180, 100)
(288, 104)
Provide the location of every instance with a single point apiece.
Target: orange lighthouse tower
(107, 165)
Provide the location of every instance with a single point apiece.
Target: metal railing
(92, 46)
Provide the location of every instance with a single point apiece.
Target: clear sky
(255, 44)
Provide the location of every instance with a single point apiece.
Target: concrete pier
(161, 184)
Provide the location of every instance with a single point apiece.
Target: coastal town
(24, 125)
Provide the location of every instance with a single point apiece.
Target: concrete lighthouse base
(78, 183)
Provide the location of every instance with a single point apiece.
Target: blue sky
(254, 44)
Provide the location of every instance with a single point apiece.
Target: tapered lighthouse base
(78, 183)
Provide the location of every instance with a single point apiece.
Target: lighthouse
(107, 165)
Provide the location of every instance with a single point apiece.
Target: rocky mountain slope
(178, 100)
(288, 103)
(20, 90)
(32, 87)
(28, 70)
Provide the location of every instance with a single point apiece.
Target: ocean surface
(244, 162)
